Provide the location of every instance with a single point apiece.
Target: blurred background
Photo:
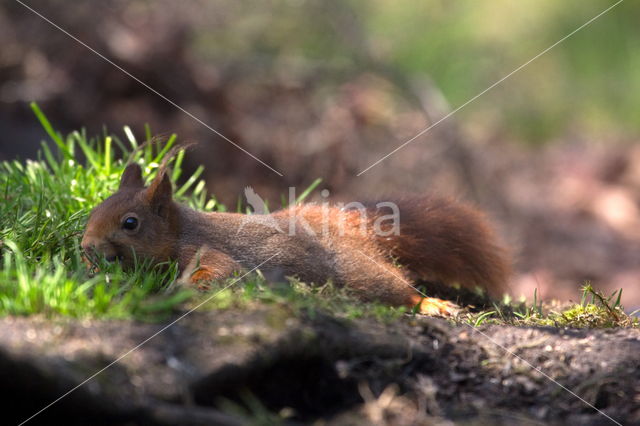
(326, 88)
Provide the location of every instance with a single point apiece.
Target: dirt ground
(222, 367)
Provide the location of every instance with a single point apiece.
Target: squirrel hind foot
(436, 307)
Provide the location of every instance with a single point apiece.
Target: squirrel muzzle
(94, 248)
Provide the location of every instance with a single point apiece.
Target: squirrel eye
(130, 223)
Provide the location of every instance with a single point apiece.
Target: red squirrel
(438, 239)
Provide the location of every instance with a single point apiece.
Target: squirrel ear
(132, 177)
(160, 191)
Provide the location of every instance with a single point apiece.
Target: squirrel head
(135, 222)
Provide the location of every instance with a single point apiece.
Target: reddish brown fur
(443, 240)
(439, 239)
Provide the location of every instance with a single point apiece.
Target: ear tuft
(132, 177)
(159, 192)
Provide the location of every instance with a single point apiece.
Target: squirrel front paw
(202, 278)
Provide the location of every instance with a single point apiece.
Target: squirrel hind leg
(435, 307)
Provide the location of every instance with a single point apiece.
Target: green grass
(45, 207)
(595, 310)
(298, 297)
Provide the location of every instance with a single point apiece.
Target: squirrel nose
(90, 251)
(93, 250)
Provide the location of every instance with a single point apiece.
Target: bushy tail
(443, 240)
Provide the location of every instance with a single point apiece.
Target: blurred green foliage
(583, 86)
